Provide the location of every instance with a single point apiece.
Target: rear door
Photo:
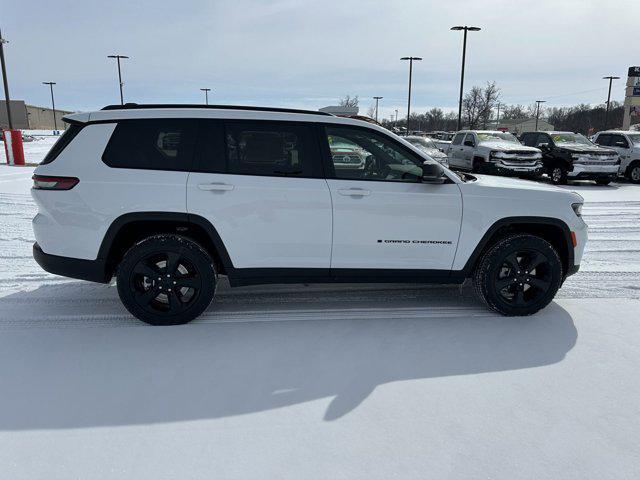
(384, 217)
(468, 149)
(260, 185)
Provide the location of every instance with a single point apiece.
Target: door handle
(354, 192)
(218, 187)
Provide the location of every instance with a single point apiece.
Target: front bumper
(511, 170)
(91, 270)
(593, 172)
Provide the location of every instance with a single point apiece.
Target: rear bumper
(91, 270)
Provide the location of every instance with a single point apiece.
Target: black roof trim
(136, 106)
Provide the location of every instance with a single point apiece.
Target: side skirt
(239, 277)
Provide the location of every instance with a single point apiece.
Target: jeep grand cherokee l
(571, 156)
(168, 198)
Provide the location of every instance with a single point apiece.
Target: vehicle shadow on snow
(67, 375)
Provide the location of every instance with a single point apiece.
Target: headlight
(577, 208)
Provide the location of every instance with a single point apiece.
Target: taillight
(41, 182)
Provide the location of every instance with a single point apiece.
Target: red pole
(13, 147)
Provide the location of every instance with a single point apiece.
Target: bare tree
(349, 101)
(371, 111)
(478, 105)
(514, 112)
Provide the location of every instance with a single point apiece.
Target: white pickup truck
(627, 144)
(494, 152)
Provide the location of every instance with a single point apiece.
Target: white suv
(166, 198)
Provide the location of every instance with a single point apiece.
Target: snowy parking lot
(326, 382)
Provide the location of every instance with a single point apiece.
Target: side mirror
(432, 173)
(543, 146)
(469, 143)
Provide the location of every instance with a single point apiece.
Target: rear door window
(152, 144)
(272, 149)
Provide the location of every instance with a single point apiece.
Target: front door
(383, 216)
(260, 185)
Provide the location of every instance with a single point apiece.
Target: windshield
(560, 138)
(497, 137)
(634, 137)
(421, 142)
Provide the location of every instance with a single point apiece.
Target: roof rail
(134, 106)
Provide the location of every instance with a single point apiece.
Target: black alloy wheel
(166, 280)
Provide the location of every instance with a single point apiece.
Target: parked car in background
(627, 145)
(346, 155)
(428, 146)
(494, 152)
(441, 139)
(571, 156)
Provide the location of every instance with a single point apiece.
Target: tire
(506, 283)
(558, 175)
(633, 173)
(603, 182)
(166, 263)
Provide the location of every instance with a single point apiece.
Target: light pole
(5, 81)
(606, 115)
(464, 54)
(538, 102)
(53, 104)
(206, 95)
(118, 57)
(498, 116)
(411, 59)
(376, 99)
(396, 117)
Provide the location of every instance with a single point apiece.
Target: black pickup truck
(571, 156)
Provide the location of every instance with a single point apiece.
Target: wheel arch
(130, 228)
(553, 230)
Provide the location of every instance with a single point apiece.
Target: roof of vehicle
(112, 113)
(617, 131)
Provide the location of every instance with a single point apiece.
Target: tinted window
(529, 139)
(272, 149)
(362, 154)
(457, 140)
(154, 144)
(542, 138)
(603, 139)
(68, 135)
(619, 141)
(210, 154)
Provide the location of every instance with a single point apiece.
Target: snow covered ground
(323, 382)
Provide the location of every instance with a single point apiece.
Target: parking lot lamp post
(206, 95)
(606, 115)
(53, 104)
(498, 116)
(118, 57)
(411, 59)
(538, 102)
(376, 99)
(5, 81)
(464, 54)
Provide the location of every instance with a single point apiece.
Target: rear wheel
(519, 275)
(166, 280)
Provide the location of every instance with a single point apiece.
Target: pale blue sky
(307, 54)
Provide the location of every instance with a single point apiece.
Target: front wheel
(633, 173)
(166, 280)
(558, 175)
(519, 275)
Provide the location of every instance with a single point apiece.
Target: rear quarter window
(153, 144)
(69, 134)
